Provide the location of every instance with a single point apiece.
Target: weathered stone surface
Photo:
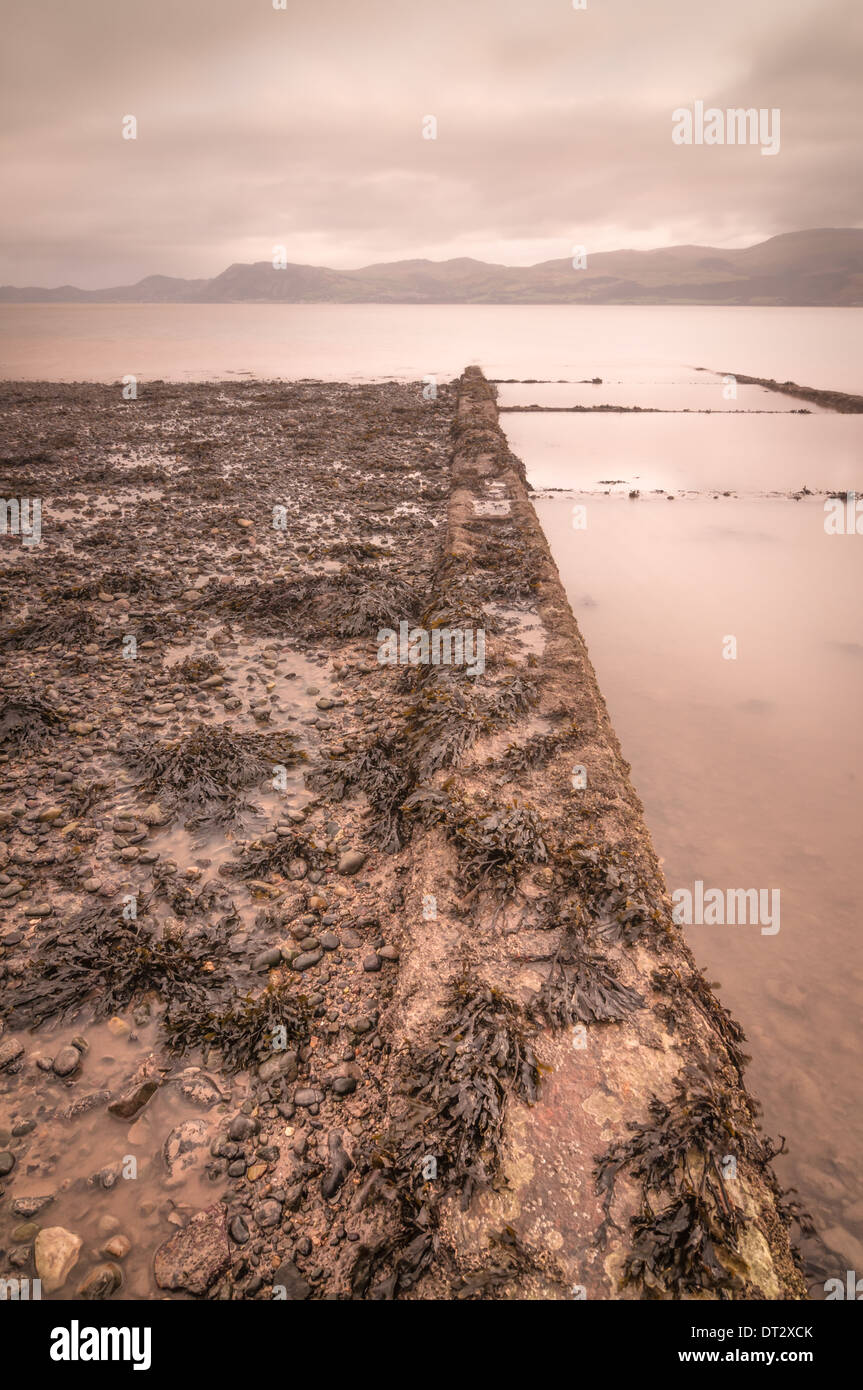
(194, 1258)
(56, 1254)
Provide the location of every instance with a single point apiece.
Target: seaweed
(378, 772)
(65, 623)
(100, 959)
(262, 859)
(82, 797)
(202, 773)
(582, 987)
(352, 603)
(26, 723)
(194, 669)
(458, 1087)
(676, 1157)
(695, 989)
(619, 906)
(242, 1031)
(493, 849)
(536, 751)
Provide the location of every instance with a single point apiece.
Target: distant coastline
(818, 268)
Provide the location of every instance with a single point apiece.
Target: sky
(303, 127)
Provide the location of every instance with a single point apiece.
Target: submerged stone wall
(567, 1111)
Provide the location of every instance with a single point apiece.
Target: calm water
(62, 342)
(750, 769)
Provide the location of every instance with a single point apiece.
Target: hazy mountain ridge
(818, 267)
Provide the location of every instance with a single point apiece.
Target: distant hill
(820, 267)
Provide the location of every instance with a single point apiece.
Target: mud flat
(325, 976)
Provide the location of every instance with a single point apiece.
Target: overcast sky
(303, 127)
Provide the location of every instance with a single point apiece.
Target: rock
(268, 1213)
(280, 1064)
(193, 1258)
(351, 862)
(10, 1050)
(289, 1285)
(127, 1106)
(117, 1247)
(198, 1087)
(340, 1165)
(26, 1233)
(154, 815)
(371, 963)
(344, 1085)
(7, 1163)
(30, 1206)
(67, 1061)
(180, 1149)
(329, 941)
(239, 1230)
(101, 1282)
(306, 960)
(267, 959)
(243, 1127)
(307, 1095)
(56, 1254)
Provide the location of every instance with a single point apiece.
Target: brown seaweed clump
(458, 1087)
(245, 1031)
(203, 773)
(494, 849)
(26, 723)
(684, 1238)
(100, 960)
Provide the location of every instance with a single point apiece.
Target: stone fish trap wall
(657, 1089)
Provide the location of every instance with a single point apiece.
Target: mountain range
(818, 267)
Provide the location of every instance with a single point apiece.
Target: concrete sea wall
(563, 1072)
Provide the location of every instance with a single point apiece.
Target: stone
(198, 1087)
(340, 1165)
(127, 1106)
(67, 1061)
(194, 1257)
(280, 1064)
(30, 1206)
(351, 862)
(101, 1282)
(289, 1285)
(308, 1095)
(117, 1247)
(306, 960)
(56, 1254)
(180, 1151)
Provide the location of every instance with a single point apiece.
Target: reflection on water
(751, 774)
(720, 453)
(346, 342)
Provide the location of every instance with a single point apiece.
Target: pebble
(306, 960)
(308, 1095)
(67, 1061)
(351, 862)
(56, 1254)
